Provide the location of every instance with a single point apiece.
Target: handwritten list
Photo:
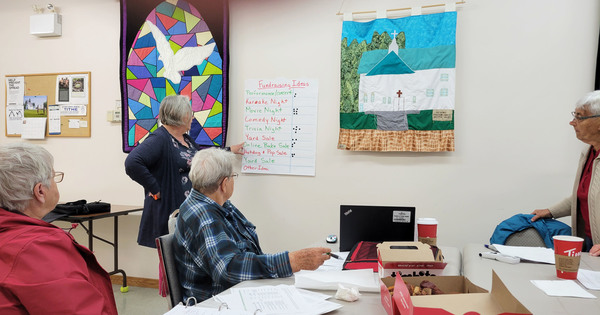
(280, 126)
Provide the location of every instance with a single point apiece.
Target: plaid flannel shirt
(216, 247)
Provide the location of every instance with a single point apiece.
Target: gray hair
(209, 167)
(175, 110)
(22, 166)
(591, 101)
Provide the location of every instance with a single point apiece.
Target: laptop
(375, 224)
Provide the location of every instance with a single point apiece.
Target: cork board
(67, 115)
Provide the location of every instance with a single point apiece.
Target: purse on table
(82, 207)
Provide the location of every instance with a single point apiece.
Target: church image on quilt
(395, 83)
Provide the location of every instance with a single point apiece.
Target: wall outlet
(114, 115)
(117, 114)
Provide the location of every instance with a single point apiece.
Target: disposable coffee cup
(567, 254)
(427, 230)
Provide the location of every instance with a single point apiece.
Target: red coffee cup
(567, 254)
(427, 230)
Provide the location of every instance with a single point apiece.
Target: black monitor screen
(375, 224)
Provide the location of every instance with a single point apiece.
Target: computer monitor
(375, 224)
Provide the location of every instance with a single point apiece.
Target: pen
(491, 247)
(500, 257)
(334, 255)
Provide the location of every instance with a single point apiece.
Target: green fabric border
(423, 121)
(358, 121)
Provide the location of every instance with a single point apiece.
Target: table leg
(124, 287)
(116, 246)
(91, 236)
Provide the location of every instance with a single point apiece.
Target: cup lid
(430, 221)
(567, 238)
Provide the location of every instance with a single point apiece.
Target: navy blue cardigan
(153, 164)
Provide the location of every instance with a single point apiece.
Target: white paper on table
(590, 279)
(334, 264)
(562, 288)
(181, 309)
(536, 254)
(362, 279)
(280, 299)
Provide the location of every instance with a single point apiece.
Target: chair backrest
(527, 237)
(172, 221)
(164, 245)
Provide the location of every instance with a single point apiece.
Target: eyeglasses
(580, 118)
(233, 176)
(58, 176)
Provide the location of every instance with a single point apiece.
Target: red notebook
(362, 256)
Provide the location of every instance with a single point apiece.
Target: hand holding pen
(334, 255)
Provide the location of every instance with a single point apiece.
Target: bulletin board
(64, 98)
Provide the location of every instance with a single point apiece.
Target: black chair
(164, 245)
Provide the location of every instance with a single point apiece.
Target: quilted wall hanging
(174, 47)
(398, 83)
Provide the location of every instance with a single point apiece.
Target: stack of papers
(362, 279)
(535, 254)
(280, 299)
(334, 263)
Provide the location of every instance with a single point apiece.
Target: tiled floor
(140, 301)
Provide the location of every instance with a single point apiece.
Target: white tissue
(347, 294)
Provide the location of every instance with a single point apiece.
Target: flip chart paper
(280, 126)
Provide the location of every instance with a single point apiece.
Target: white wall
(520, 67)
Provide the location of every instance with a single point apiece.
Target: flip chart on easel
(280, 126)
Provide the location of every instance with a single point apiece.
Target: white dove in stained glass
(183, 60)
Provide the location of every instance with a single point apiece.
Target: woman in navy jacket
(161, 164)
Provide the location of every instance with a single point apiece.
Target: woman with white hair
(584, 204)
(42, 269)
(215, 245)
(161, 164)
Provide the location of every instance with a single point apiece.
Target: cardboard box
(461, 296)
(408, 259)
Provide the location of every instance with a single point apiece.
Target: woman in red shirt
(584, 204)
(42, 270)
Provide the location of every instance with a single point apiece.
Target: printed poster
(15, 93)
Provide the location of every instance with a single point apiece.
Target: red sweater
(44, 271)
